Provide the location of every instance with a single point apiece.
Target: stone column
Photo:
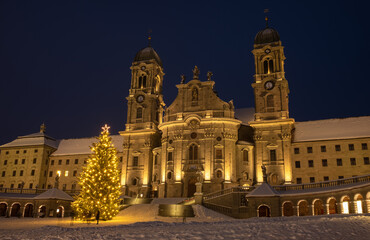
(198, 195)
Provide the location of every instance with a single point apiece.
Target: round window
(193, 135)
(218, 138)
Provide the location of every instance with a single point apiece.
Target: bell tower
(272, 124)
(144, 114)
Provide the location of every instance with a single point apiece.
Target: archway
(318, 207)
(288, 209)
(263, 211)
(3, 208)
(16, 207)
(332, 206)
(60, 211)
(358, 203)
(42, 211)
(191, 186)
(28, 210)
(303, 208)
(345, 205)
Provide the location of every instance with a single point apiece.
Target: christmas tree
(100, 186)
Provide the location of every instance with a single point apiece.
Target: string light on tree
(100, 186)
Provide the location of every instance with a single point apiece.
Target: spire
(149, 38)
(266, 18)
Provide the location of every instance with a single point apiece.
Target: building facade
(165, 150)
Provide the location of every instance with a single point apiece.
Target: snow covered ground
(142, 222)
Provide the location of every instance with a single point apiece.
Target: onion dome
(147, 53)
(267, 35)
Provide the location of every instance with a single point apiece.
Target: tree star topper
(105, 128)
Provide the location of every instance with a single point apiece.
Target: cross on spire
(266, 18)
(149, 38)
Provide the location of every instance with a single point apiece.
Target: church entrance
(263, 211)
(191, 186)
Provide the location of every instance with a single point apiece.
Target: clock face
(269, 85)
(267, 50)
(143, 68)
(140, 98)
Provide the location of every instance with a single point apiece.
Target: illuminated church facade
(163, 150)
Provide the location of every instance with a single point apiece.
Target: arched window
(134, 181)
(193, 152)
(265, 67)
(135, 161)
(271, 66)
(270, 103)
(140, 81)
(139, 112)
(218, 174)
(169, 175)
(144, 81)
(245, 156)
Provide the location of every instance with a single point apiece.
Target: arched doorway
(3, 208)
(28, 210)
(318, 207)
(191, 186)
(42, 211)
(303, 208)
(60, 211)
(345, 205)
(263, 211)
(288, 209)
(358, 203)
(16, 207)
(333, 206)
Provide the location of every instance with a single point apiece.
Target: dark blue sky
(66, 63)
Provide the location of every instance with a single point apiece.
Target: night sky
(67, 63)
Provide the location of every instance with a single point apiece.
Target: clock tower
(144, 113)
(272, 124)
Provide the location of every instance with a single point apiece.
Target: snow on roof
(245, 114)
(263, 190)
(354, 127)
(54, 194)
(82, 145)
(34, 139)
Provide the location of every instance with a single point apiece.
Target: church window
(135, 161)
(12, 185)
(169, 156)
(193, 152)
(219, 174)
(339, 162)
(17, 152)
(297, 164)
(296, 150)
(268, 66)
(31, 185)
(270, 103)
(312, 179)
(323, 148)
(364, 146)
(272, 155)
(337, 148)
(324, 162)
(271, 66)
(66, 173)
(309, 149)
(34, 160)
(50, 173)
(310, 163)
(144, 82)
(156, 159)
(265, 67)
(340, 177)
(245, 156)
(353, 161)
(24, 151)
(218, 153)
(169, 175)
(139, 112)
(351, 147)
(134, 181)
(19, 185)
(36, 150)
(366, 161)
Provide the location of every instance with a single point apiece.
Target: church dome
(267, 35)
(147, 53)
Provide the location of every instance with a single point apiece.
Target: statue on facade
(209, 75)
(194, 94)
(183, 79)
(42, 128)
(264, 173)
(56, 184)
(199, 176)
(196, 73)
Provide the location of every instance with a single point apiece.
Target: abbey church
(166, 147)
